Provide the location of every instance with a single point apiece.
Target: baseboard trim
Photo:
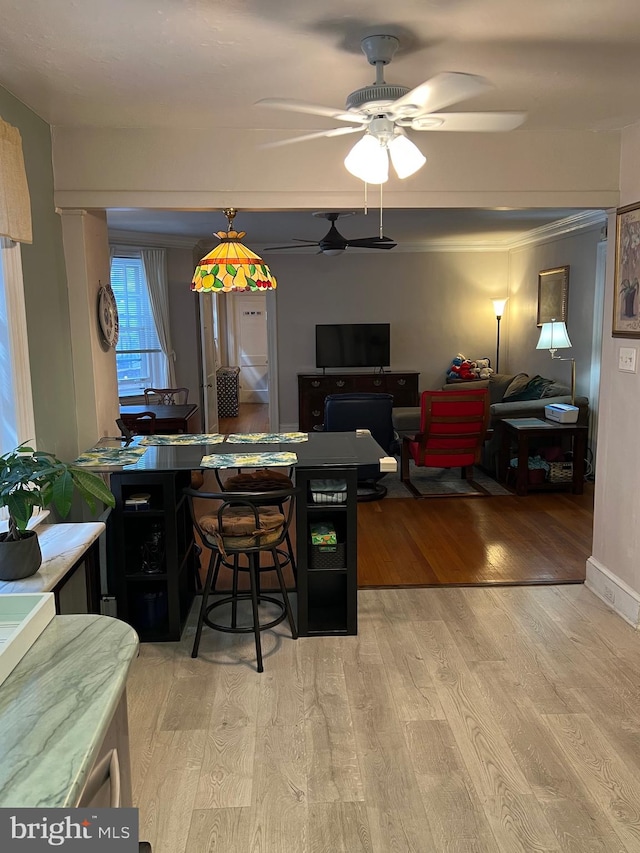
(615, 593)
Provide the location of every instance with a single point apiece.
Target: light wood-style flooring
(471, 720)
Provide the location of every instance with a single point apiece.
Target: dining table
(169, 419)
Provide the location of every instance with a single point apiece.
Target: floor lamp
(498, 307)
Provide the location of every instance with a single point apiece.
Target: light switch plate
(627, 359)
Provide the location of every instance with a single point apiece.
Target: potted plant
(34, 478)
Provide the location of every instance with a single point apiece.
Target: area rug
(435, 480)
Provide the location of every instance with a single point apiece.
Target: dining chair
(166, 396)
(144, 423)
(453, 426)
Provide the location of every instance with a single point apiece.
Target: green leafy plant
(628, 286)
(30, 478)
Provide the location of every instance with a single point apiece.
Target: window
(16, 403)
(139, 358)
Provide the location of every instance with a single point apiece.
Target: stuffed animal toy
(454, 369)
(461, 368)
(483, 368)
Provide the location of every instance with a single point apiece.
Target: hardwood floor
(542, 538)
(478, 720)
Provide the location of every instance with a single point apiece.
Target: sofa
(510, 396)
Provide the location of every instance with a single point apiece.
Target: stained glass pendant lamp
(231, 267)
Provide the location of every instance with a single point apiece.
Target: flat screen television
(353, 345)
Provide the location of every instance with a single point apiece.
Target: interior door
(210, 362)
(250, 346)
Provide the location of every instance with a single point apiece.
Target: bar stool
(267, 480)
(242, 524)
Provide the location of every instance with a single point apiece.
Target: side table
(527, 429)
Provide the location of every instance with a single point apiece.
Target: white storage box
(23, 617)
(563, 413)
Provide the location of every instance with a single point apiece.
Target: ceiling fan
(333, 243)
(384, 110)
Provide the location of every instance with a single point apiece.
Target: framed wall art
(553, 295)
(626, 299)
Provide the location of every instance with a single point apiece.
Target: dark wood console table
(314, 387)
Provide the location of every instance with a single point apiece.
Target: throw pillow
(498, 386)
(556, 389)
(517, 384)
(533, 390)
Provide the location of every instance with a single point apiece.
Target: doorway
(239, 329)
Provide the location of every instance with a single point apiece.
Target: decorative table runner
(186, 438)
(248, 460)
(266, 437)
(96, 456)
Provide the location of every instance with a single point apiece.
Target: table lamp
(554, 336)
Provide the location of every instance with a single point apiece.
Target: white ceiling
(202, 65)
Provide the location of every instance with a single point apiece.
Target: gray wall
(438, 304)
(45, 287)
(520, 330)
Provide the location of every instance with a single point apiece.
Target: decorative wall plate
(108, 315)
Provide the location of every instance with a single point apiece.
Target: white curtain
(155, 268)
(15, 204)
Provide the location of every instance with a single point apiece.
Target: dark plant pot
(629, 299)
(21, 558)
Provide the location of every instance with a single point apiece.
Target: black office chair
(349, 412)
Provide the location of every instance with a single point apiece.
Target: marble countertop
(56, 706)
(62, 545)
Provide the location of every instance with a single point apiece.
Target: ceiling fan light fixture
(368, 160)
(405, 156)
(332, 252)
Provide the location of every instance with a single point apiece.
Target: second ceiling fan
(333, 243)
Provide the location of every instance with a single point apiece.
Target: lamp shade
(368, 160)
(406, 157)
(231, 266)
(498, 306)
(553, 336)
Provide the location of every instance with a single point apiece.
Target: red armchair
(453, 425)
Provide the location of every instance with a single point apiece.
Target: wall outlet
(609, 594)
(627, 359)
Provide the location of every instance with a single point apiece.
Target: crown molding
(561, 228)
(577, 222)
(158, 241)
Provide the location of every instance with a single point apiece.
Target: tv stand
(314, 387)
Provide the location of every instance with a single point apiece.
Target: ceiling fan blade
(438, 92)
(303, 246)
(478, 122)
(295, 106)
(336, 131)
(372, 243)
